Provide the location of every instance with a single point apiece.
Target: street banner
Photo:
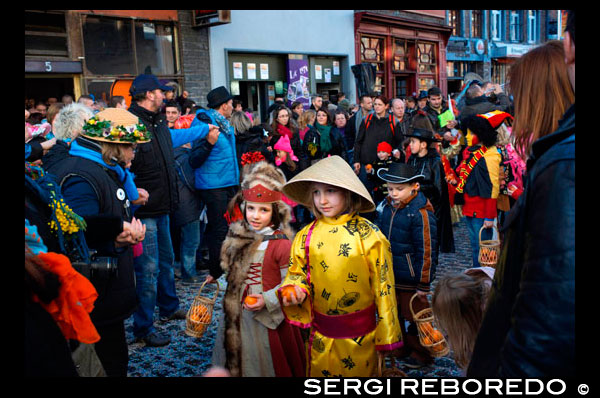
(297, 74)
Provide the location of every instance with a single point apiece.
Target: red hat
(495, 118)
(384, 147)
(261, 194)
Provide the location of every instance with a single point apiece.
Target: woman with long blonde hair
(540, 86)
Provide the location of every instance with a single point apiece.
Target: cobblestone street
(187, 356)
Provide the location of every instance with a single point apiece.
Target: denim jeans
(473, 226)
(350, 155)
(190, 241)
(216, 205)
(154, 276)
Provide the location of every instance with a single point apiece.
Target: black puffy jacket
(154, 167)
(528, 329)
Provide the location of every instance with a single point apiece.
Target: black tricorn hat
(399, 173)
(423, 135)
(217, 96)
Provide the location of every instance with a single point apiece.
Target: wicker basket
(384, 371)
(200, 313)
(429, 337)
(489, 251)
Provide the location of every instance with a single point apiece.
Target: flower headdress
(251, 157)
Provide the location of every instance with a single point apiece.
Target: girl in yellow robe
(341, 275)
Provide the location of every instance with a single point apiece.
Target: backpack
(370, 117)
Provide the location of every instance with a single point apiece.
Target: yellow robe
(350, 269)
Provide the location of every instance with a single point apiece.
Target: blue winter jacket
(218, 166)
(412, 232)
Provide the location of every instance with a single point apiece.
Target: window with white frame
(532, 26)
(496, 25)
(515, 25)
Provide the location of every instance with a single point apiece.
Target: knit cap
(384, 147)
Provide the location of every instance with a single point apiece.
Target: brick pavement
(187, 356)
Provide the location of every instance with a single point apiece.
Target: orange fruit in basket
(194, 317)
(439, 347)
(426, 340)
(250, 300)
(288, 292)
(427, 328)
(437, 336)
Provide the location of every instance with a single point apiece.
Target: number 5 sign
(48, 66)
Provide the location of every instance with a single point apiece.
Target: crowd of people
(327, 223)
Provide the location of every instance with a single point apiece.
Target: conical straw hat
(334, 171)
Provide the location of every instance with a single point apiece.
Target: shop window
(123, 46)
(495, 24)
(426, 57)
(154, 48)
(45, 33)
(404, 55)
(108, 46)
(425, 83)
(372, 51)
(455, 21)
(400, 55)
(476, 23)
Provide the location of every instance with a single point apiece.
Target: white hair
(70, 120)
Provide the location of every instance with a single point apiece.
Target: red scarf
(468, 167)
(282, 130)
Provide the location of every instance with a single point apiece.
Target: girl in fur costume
(252, 339)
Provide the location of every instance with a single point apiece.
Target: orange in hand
(250, 300)
(288, 291)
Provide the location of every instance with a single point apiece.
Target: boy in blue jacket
(407, 220)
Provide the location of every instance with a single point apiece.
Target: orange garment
(184, 122)
(75, 300)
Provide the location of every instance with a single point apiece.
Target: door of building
(402, 86)
(255, 95)
(42, 88)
